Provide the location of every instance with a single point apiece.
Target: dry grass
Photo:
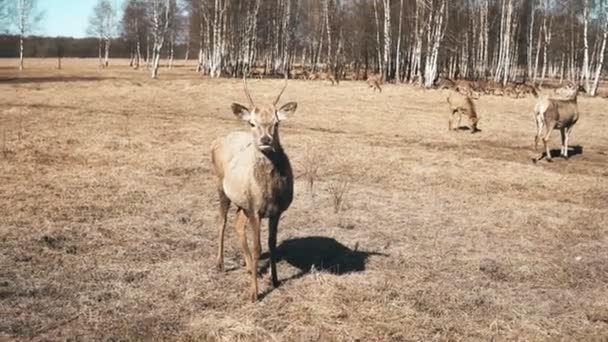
(107, 215)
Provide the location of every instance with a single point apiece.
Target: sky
(68, 18)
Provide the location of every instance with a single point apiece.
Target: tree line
(414, 41)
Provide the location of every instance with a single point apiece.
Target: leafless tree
(134, 29)
(414, 40)
(102, 23)
(160, 15)
(26, 17)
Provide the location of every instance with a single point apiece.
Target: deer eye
(251, 124)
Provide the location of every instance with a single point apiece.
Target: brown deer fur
(254, 173)
(556, 113)
(462, 104)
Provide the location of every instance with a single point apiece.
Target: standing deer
(557, 113)
(374, 82)
(254, 173)
(462, 104)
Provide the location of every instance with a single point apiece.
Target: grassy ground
(107, 215)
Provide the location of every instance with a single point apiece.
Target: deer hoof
(219, 267)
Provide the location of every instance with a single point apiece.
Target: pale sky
(68, 17)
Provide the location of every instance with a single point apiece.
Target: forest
(413, 41)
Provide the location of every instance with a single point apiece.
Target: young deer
(254, 173)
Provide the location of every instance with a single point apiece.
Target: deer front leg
(241, 230)
(255, 222)
(223, 216)
(273, 226)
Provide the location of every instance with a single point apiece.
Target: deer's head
(264, 121)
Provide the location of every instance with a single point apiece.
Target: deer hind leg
(459, 119)
(567, 141)
(451, 122)
(546, 140)
(224, 206)
(539, 131)
(562, 132)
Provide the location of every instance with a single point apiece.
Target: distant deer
(374, 82)
(557, 113)
(462, 104)
(254, 173)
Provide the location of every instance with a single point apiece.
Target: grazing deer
(374, 82)
(324, 76)
(462, 104)
(254, 173)
(557, 113)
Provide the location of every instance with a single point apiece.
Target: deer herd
(254, 172)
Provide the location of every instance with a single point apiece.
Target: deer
(556, 113)
(462, 104)
(374, 82)
(254, 172)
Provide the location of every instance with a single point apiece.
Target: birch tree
(435, 35)
(134, 29)
(602, 53)
(26, 17)
(586, 66)
(378, 45)
(399, 33)
(160, 16)
(102, 24)
(387, 39)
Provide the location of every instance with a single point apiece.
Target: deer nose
(265, 140)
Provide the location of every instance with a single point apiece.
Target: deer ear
(287, 110)
(241, 111)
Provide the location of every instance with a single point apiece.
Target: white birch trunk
(586, 66)
(387, 40)
(398, 61)
(600, 63)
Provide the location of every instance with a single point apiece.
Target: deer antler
(247, 92)
(282, 90)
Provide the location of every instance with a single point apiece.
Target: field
(409, 233)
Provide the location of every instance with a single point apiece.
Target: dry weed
(108, 212)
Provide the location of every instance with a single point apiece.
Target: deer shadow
(573, 150)
(318, 253)
(467, 128)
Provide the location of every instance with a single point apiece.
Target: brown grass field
(108, 215)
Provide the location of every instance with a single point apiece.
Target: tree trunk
(398, 61)
(378, 45)
(538, 47)
(21, 52)
(99, 49)
(600, 63)
(531, 40)
(328, 28)
(586, 66)
(387, 40)
(106, 52)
